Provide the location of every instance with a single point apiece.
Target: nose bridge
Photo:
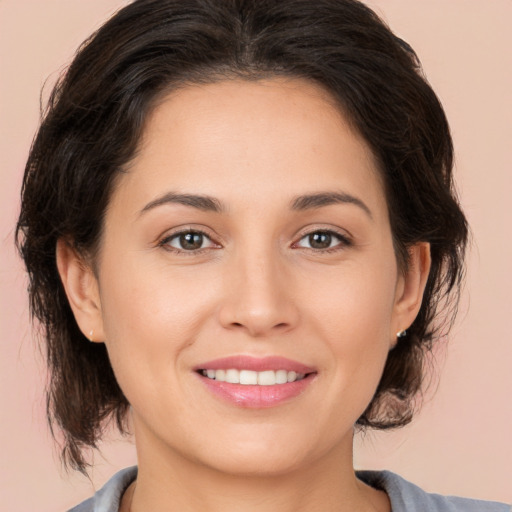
(257, 292)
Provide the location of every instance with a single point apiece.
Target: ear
(82, 290)
(410, 287)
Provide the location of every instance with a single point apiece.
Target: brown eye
(191, 241)
(188, 241)
(320, 240)
(323, 240)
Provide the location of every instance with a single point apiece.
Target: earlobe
(82, 291)
(410, 289)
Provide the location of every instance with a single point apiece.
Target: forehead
(265, 139)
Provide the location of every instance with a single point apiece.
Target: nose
(258, 297)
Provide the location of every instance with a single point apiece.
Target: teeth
(281, 377)
(233, 376)
(267, 378)
(249, 377)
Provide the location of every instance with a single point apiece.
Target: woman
(251, 211)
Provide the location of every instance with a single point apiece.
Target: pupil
(320, 240)
(191, 240)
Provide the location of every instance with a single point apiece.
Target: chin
(263, 452)
(258, 463)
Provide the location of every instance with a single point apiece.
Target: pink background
(461, 441)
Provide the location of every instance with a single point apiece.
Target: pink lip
(256, 397)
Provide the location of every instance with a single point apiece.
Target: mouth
(249, 382)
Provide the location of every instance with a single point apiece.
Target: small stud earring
(91, 337)
(401, 334)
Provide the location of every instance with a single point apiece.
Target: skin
(256, 287)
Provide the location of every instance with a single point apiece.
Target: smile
(255, 383)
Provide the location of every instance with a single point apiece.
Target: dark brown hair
(94, 121)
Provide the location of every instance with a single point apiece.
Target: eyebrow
(205, 203)
(321, 199)
(299, 203)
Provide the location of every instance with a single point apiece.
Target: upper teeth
(266, 378)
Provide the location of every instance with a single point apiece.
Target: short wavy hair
(94, 120)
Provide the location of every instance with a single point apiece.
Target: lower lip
(257, 397)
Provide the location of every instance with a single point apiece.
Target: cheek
(354, 302)
(150, 318)
(352, 313)
(141, 295)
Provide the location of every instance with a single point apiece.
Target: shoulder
(108, 498)
(404, 496)
(407, 497)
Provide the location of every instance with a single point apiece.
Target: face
(247, 287)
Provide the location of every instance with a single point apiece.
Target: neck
(168, 481)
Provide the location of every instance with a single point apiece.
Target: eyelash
(164, 243)
(344, 241)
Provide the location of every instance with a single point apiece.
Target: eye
(187, 241)
(324, 240)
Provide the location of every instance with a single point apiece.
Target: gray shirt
(404, 496)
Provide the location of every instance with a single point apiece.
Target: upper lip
(257, 364)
